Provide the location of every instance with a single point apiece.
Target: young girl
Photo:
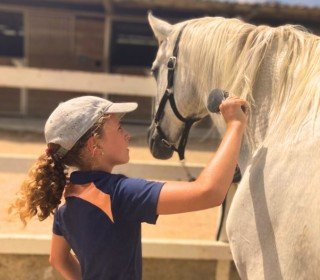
(101, 218)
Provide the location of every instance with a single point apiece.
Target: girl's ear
(91, 145)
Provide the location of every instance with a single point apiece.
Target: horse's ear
(160, 28)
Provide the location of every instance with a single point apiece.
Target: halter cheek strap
(169, 96)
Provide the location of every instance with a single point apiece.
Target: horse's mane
(235, 50)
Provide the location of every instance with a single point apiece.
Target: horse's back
(273, 224)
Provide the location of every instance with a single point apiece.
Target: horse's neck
(270, 76)
(259, 120)
(263, 127)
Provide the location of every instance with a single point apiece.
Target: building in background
(109, 36)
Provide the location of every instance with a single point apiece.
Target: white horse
(273, 224)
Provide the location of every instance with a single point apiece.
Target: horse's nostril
(166, 143)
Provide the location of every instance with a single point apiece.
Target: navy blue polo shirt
(108, 249)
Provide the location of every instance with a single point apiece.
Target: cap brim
(122, 107)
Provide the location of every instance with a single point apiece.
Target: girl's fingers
(234, 102)
(237, 101)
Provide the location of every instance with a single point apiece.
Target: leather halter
(169, 96)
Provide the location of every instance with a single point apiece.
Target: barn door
(50, 40)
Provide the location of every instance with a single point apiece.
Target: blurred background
(109, 37)
(54, 50)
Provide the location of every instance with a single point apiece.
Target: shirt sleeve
(136, 199)
(56, 224)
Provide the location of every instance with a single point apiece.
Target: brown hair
(41, 191)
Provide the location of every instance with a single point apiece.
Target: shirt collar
(83, 177)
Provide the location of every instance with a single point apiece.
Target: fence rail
(39, 244)
(65, 80)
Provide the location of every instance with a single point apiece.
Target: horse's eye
(155, 72)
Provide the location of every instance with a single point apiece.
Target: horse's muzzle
(157, 148)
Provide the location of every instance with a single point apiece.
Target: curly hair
(41, 191)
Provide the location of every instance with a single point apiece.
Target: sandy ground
(196, 225)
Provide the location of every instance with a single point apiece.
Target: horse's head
(178, 104)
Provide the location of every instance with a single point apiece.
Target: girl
(102, 215)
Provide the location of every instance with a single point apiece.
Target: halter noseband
(168, 95)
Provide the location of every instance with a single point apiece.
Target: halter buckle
(169, 91)
(172, 63)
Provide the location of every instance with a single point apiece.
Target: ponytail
(41, 190)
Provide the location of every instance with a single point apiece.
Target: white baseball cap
(74, 117)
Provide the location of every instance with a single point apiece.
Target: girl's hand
(232, 112)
